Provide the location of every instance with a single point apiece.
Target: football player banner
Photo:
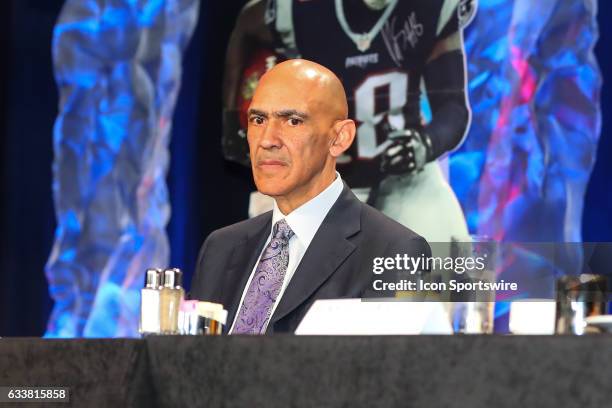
(500, 145)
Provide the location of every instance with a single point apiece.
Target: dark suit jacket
(337, 264)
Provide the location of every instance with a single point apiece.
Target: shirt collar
(307, 218)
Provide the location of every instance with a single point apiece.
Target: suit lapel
(243, 257)
(328, 249)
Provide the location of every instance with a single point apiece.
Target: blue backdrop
(198, 180)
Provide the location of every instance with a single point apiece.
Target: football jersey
(382, 74)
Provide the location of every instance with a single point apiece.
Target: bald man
(319, 241)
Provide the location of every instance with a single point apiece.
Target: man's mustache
(272, 160)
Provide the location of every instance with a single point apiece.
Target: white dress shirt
(304, 222)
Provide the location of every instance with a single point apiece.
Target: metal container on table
(579, 297)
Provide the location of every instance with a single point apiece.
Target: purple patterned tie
(266, 283)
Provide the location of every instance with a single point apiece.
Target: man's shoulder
(375, 222)
(395, 237)
(241, 228)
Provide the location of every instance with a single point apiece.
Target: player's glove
(234, 140)
(409, 151)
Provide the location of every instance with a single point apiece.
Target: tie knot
(282, 230)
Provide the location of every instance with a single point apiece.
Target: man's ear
(345, 134)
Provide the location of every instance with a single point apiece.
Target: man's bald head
(298, 126)
(318, 81)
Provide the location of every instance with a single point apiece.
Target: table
(287, 371)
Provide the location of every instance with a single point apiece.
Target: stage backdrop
(518, 170)
(509, 145)
(118, 68)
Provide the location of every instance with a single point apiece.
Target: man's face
(289, 135)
